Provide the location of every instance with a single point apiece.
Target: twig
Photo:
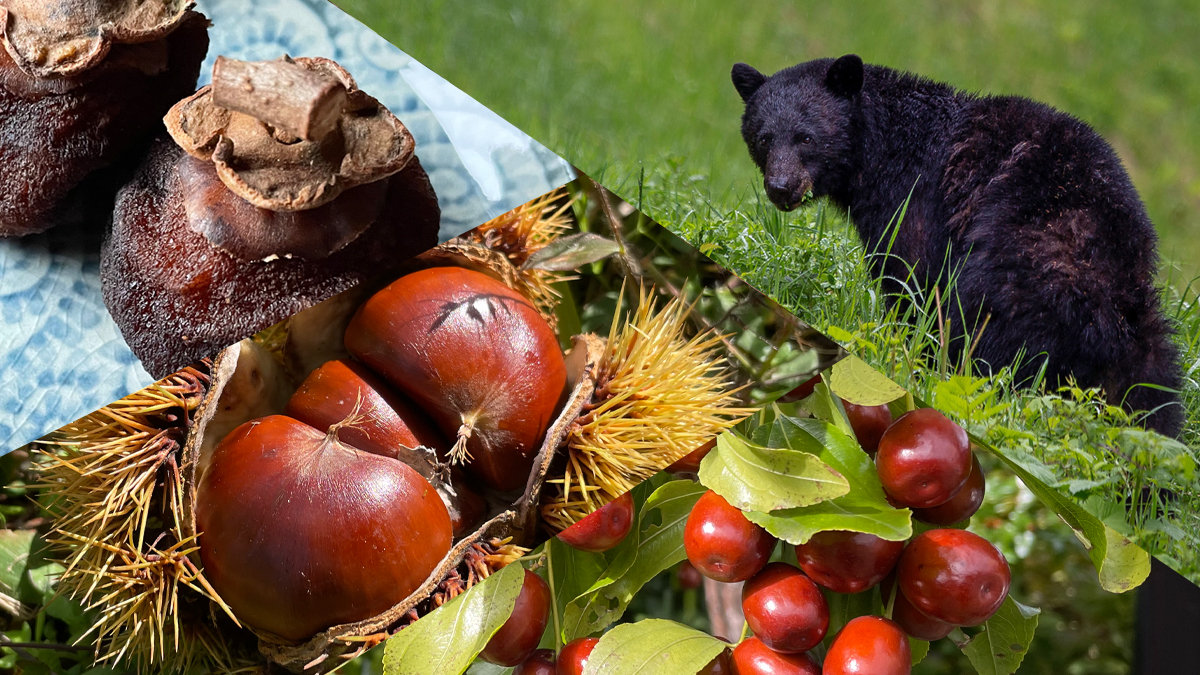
(282, 93)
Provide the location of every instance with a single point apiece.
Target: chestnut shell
(177, 298)
(62, 130)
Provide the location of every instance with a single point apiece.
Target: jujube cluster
(940, 580)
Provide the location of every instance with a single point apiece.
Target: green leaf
(864, 509)
(1000, 646)
(823, 405)
(449, 638)
(797, 526)
(919, 648)
(660, 524)
(755, 478)
(572, 252)
(650, 647)
(854, 380)
(1120, 563)
(25, 573)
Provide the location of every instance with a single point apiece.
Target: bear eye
(803, 139)
(763, 141)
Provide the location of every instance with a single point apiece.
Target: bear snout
(786, 192)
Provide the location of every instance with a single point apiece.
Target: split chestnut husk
(250, 213)
(83, 85)
(257, 378)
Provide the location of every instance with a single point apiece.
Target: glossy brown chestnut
(752, 657)
(847, 562)
(953, 576)
(386, 422)
(924, 459)
(869, 645)
(722, 544)
(604, 529)
(962, 505)
(541, 662)
(300, 532)
(868, 422)
(574, 655)
(785, 609)
(517, 639)
(475, 355)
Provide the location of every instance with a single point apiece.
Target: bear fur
(1026, 208)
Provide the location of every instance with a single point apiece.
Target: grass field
(618, 86)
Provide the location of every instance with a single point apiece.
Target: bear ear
(747, 80)
(845, 76)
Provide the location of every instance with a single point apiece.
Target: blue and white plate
(61, 356)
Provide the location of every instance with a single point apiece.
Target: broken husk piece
(289, 135)
(49, 38)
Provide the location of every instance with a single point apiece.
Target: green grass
(617, 86)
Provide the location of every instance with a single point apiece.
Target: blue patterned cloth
(61, 356)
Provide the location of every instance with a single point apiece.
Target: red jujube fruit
(541, 662)
(722, 543)
(574, 655)
(476, 356)
(924, 459)
(604, 529)
(785, 609)
(869, 645)
(752, 657)
(911, 619)
(300, 532)
(962, 505)
(518, 638)
(868, 422)
(847, 562)
(954, 576)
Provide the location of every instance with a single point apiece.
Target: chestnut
(474, 354)
(386, 420)
(78, 96)
(300, 532)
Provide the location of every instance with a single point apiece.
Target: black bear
(1026, 208)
